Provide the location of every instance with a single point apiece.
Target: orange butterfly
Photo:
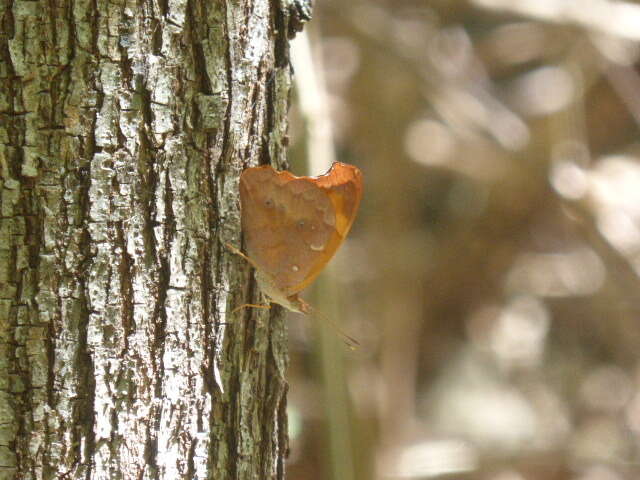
(294, 225)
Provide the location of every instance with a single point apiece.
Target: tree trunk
(123, 129)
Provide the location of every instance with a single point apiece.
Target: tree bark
(123, 129)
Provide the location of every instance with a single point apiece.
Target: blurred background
(492, 275)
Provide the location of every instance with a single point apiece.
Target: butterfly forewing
(294, 225)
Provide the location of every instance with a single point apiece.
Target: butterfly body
(268, 287)
(294, 225)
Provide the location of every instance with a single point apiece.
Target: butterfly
(293, 226)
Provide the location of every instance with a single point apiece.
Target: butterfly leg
(239, 253)
(252, 263)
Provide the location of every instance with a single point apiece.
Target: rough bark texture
(123, 128)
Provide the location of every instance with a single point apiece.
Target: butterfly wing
(294, 225)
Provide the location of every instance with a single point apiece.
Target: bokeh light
(492, 276)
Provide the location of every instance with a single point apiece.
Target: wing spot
(317, 247)
(268, 203)
(295, 268)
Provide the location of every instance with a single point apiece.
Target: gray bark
(123, 129)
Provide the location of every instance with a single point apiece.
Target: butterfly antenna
(351, 342)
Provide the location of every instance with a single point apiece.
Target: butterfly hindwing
(294, 225)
